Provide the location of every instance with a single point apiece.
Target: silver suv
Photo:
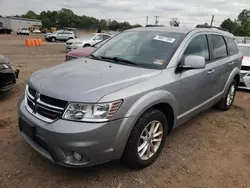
(60, 35)
(125, 98)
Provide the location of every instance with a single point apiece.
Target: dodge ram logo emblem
(37, 96)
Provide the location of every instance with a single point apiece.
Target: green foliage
(67, 18)
(174, 22)
(239, 27)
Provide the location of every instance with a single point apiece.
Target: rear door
(223, 50)
(59, 35)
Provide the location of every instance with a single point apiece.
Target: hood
(81, 52)
(4, 59)
(246, 61)
(75, 40)
(87, 80)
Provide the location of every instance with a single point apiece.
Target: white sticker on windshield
(165, 39)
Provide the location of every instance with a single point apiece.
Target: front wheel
(53, 39)
(226, 102)
(146, 140)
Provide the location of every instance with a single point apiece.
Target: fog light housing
(77, 156)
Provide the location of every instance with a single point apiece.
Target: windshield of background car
(245, 50)
(150, 49)
(97, 45)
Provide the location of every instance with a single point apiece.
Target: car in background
(23, 31)
(36, 31)
(87, 41)
(60, 35)
(245, 67)
(8, 74)
(83, 52)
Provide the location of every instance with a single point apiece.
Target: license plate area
(28, 129)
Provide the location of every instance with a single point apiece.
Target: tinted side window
(232, 47)
(198, 46)
(219, 46)
(106, 37)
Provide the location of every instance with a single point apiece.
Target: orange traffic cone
(41, 42)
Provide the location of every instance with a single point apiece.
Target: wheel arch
(235, 75)
(161, 100)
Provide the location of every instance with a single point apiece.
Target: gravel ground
(211, 150)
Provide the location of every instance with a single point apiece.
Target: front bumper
(96, 142)
(245, 80)
(8, 79)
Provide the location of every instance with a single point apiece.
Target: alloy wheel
(150, 140)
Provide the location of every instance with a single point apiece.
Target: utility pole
(212, 20)
(146, 20)
(156, 20)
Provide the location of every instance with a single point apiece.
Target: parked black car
(8, 74)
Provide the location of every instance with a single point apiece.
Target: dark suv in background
(8, 74)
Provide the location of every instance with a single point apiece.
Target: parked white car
(87, 41)
(23, 31)
(37, 31)
(245, 67)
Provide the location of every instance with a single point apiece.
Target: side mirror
(193, 62)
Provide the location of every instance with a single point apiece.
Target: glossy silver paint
(86, 80)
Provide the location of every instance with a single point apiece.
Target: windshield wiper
(94, 57)
(117, 59)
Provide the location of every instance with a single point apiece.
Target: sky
(189, 12)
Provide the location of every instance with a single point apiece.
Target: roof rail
(207, 26)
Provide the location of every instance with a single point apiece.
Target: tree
(244, 16)
(30, 14)
(174, 22)
(67, 18)
(239, 27)
(229, 25)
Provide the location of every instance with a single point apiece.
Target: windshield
(152, 49)
(245, 50)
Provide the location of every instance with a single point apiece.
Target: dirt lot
(211, 150)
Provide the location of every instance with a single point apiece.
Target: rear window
(232, 46)
(219, 46)
(245, 50)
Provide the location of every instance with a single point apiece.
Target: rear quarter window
(219, 48)
(232, 46)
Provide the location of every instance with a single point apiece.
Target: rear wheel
(146, 140)
(226, 102)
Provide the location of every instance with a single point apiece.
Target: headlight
(4, 66)
(91, 112)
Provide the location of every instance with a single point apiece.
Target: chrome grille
(43, 107)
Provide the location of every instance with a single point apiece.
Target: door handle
(231, 63)
(210, 71)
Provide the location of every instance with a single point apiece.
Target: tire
(131, 154)
(224, 104)
(70, 38)
(53, 39)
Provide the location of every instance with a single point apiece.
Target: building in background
(16, 23)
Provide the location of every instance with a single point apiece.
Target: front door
(196, 85)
